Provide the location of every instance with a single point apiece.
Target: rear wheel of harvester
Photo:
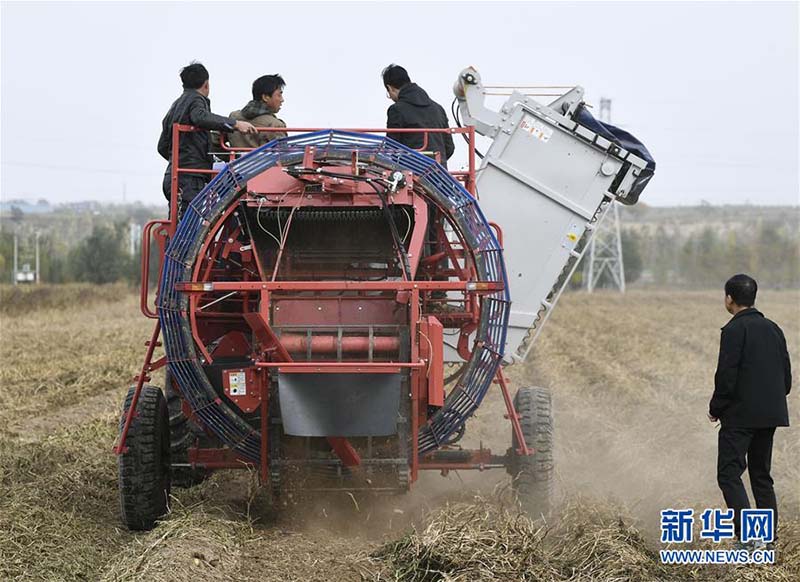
(182, 434)
(144, 479)
(532, 475)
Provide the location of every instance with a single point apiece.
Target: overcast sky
(710, 88)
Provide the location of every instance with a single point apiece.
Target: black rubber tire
(183, 433)
(533, 475)
(144, 476)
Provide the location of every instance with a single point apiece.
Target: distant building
(26, 274)
(84, 206)
(41, 206)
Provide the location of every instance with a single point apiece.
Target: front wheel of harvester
(532, 475)
(144, 478)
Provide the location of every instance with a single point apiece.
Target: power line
(78, 169)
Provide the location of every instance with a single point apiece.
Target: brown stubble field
(631, 377)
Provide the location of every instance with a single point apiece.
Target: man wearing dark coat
(413, 108)
(193, 108)
(753, 379)
(261, 112)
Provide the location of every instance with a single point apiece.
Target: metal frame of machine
(329, 355)
(426, 386)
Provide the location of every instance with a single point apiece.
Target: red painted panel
(312, 311)
(431, 347)
(233, 343)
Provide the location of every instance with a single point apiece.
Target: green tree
(663, 257)
(631, 255)
(7, 255)
(101, 258)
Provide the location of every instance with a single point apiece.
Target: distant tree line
(654, 254)
(703, 258)
(100, 258)
(767, 250)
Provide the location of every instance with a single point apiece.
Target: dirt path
(33, 428)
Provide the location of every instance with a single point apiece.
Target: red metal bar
(414, 248)
(197, 171)
(216, 459)
(264, 473)
(193, 301)
(512, 413)
(345, 451)
(159, 363)
(340, 367)
(498, 233)
(451, 460)
(145, 263)
(174, 169)
(189, 287)
(416, 382)
(426, 131)
(451, 130)
(328, 344)
(140, 380)
(453, 255)
(460, 466)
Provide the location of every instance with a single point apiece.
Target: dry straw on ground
(486, 540)
(18, 300)
(630, 378)
(190, 545)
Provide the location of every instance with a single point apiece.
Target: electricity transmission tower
(605, 250)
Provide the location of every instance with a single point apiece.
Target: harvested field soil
(631, 376)
(19, 299)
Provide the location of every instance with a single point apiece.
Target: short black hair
(742, 289)
(396, 76)
(194, 75)
(267, 85)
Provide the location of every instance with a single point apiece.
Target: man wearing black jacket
(413, 108)
(753, 378)
(193, 108)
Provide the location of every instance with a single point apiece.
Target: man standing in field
(753, 378)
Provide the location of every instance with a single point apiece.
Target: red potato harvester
(313, 294)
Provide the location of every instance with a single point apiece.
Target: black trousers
(189, 186)
(740, 449)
